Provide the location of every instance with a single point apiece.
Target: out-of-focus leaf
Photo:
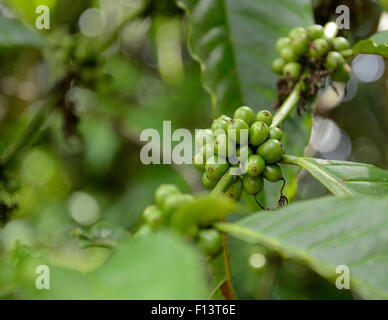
(158, 266)
(376, 44)
(203, 211)
(13, 33)
(326, 233)
(343, 178)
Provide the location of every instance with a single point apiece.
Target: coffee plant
(266, 66)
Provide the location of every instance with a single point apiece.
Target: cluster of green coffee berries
(312, 46)
(253, 155)
(168, 200)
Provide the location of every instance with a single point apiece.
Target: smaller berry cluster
(254, 155)
(310, 47)
(168, 200)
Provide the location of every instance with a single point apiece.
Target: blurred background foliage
(81, 169)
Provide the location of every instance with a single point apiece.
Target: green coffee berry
(295, 32)
(340, 43)
(207, 182)
(342, 74)
(334, 60)
(288, 54)
(235, 190)
(300, 44)
(275, 133)
(223, 145)
(144, 230)
(152, 215)
(253, 185)
(216, 167)
(278, 65)
(264, 116)
(246, 114)
(243, 152)
(203, 136)
(271, 150)
(272, 172)
(210, 241)
(199, 161)
(235, 132)
(226, 118)
(292, 69)
(255, 165)
(219, 125)
(319, 48)
(314, 31)
(208, 150)
(282, 42)
(175, 202)
(163, 192)
(347, 53)
(258, 133)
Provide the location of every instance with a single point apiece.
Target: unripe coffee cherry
(264, 116)
(235, 190)
(226, 118)
(342, 74)
(163, 192)
(300, 44)
(207, 182)
(271, 150)
(245, 114)
(288, 54)
(314, 31)
(203, 136)
(235, 133)
(255, 165)
(210, 241)
(282, 42)
(253, 185)
(278, 65)
(243, 152)
(334, 60)
(258, 133)
(175, 202)
(152, 215)
(340, 43)
(219, 126)
(199, 161)
(224, 146)
(295, 32)
(292, 69)
(215, 168)
(272, 172)
(275, 133)
(208, 150)
(318, 48)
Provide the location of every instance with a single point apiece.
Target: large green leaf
(343, 178)
(158, 266)
(154, 267)
(14, 33)
(326, 233)
(376, 44)
(234, 42)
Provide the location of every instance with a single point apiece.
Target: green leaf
(325, 233)
(343, 178)
(203, 211)
(376, 44)
(234, 42)
(159, 266)
(14, 33)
